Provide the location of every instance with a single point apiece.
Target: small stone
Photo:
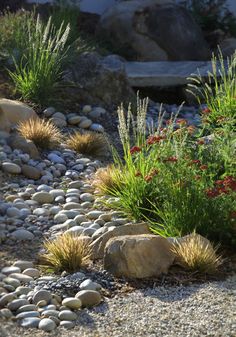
(59, 115)
(6, 313)
(13, 212)
(11, 168)
(43, 197)
(89, 231)
(85, 124)
(67, 315)
(72, 303)
(71, 205)
(21, 277)
(30, 322)
(22, 264)
(87, 197)
(10, 270)
(22, 234)
(75, 230)
(50, 312)
(6, 299)
(27, 307)
(31, 172)
(55, 158)
(97, 128)
(67, 324)
(12, 282)
(42, 295)
(42, 303)
(75, 184)
(89, 298)
(90, 285)
(33, 272)
(94, 214)
(60, 217)
(47, 324)
(79, 219)
(49, 111)
(16, 304)
(27, 314)
(86, 109)
(61, 123)
(73, 120)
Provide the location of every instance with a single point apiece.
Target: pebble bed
(60, 198)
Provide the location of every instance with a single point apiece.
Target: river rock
(89, 298)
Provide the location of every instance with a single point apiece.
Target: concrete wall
(99, 6)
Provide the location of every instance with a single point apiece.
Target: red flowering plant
(173, 180)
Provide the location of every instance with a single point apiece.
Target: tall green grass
(39, 70)
(218, 91)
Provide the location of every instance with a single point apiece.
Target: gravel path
(186, 311)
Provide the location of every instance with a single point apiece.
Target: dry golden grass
(66, 252)
(107, 179)
(195, 254)
(89, 143)
(43, 133)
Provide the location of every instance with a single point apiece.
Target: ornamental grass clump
(39, 70)
(108, 179)
(194, 253)
(43, 133)
(88, 143)
(66, 252)
(168, 176)
(218, 92)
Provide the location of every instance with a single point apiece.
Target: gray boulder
(153, 30)
(98, 80)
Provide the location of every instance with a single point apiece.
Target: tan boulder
(14, 112)
(16, 141)
(98, 246)
(138, 256)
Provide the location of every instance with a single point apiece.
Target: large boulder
(138, 256)
(14, 112)
(98, 80)
(98, 246)
(153, 30)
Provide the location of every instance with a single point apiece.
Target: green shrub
(218, 92)
(175, 181)
(40, 68)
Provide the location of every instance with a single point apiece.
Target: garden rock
(43, 197)
(47, 324)
(31, 172)
(99, 244)
(147, 30)
(30, 322)
(67, 315)
(11, 168)
(15, 141)
(72, 303)
(22, 234)
(14, 112)
(90, 69)
(138, 256)
(89, 298)
(42, 295)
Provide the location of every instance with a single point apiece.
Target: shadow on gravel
(85, 318)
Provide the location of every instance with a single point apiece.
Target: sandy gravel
(186, 311)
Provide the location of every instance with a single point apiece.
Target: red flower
(233, 215)
(191, 129)
(195, 161)
(138, 174)
(171, 159)
(148, 178)
(201, 142)
(203, 167)
(154, 139)
(154, 172)
(135, 149)
(206, 111)
(212, 193)
(181, 122)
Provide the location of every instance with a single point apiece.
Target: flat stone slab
(166, 73)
